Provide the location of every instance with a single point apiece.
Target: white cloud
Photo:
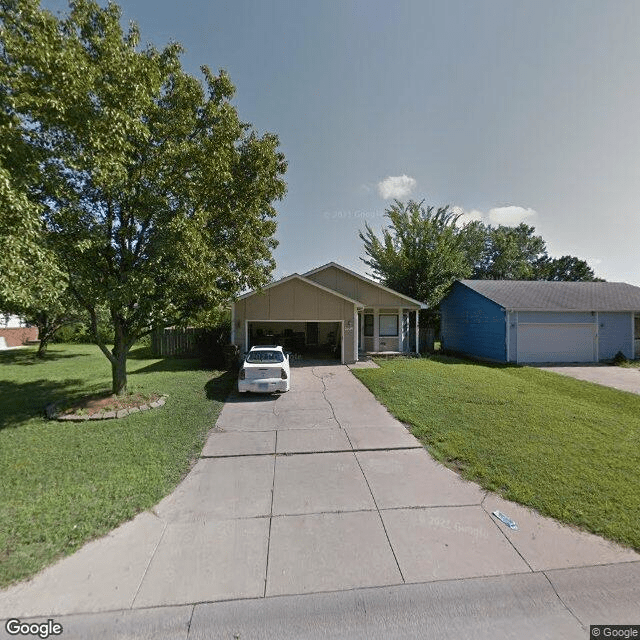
(467, 216)
(510, 216)
(396, 186)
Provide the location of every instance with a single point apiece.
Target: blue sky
(511, 111)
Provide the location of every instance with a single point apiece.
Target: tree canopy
(423, 250)
(420, 253)
(155, 199)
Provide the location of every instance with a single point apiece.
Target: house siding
(357, 289)
(473, 324)
(615, 334)
(512, 336)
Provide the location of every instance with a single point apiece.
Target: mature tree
(424, 250)
(29, 270)
(420, 253)
(49, 315)
(509, 253)
(156, 198)
(566, 269)
(516, 253)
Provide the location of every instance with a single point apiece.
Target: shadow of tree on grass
(141, 353)
(218, 388)
(28, 356)
(23, 401)
(170, 364)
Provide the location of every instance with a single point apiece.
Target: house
(329, 310)
(516, 321)
(15, 331)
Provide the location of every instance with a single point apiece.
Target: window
(264, 357)
(368, 324)
(389, 325)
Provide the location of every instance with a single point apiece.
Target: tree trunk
(45, 333)
(119, 371)
(119, 361)
(42, 347)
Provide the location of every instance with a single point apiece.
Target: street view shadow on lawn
(218, 388)
(28, 356)
(170, 364)
(20, 402)
(453, 359)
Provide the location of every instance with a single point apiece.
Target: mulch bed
(104, 406)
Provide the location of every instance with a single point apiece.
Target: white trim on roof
(307, 281)
(365, 279)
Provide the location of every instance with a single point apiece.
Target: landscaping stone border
(51, 411)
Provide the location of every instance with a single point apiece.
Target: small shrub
(620, 358)
(211, 345)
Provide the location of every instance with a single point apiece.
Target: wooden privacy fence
(177, 342)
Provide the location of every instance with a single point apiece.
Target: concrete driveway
(622, 378)
(321, 490)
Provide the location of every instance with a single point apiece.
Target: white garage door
(557, 343)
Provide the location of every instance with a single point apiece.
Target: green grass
(63, 483)
(567, 448)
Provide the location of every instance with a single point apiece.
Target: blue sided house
(536, 321)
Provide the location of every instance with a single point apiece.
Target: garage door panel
(556, 343)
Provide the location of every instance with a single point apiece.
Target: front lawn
(569, 449)
(64, 483)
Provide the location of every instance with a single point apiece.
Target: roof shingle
(558, 296)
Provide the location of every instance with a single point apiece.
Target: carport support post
(417, 330)
(356, 334)
(376, 330)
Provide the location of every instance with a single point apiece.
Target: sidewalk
(321, 490)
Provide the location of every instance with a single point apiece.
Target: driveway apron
(621, 378)
(316, 490)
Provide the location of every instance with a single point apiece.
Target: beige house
(330, 310)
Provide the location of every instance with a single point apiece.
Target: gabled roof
(519, 295)
(297, 276)
(367, 280)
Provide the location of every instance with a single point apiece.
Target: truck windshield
(264, 357)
